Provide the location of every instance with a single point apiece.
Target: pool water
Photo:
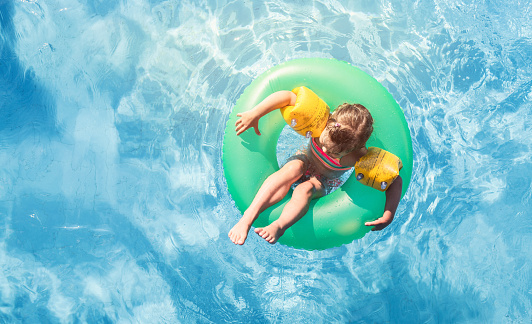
(113, 205)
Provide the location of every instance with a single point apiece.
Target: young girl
(336, 150)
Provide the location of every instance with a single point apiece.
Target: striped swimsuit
(328, 162)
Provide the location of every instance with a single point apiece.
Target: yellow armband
(378, 168)
(309, 115)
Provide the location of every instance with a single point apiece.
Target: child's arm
(274, 101)
(393, 196)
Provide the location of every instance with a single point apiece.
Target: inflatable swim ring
(248, 159)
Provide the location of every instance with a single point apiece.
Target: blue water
(113, 205)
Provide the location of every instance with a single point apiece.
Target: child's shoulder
(352, 158)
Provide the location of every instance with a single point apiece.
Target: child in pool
(343, 139)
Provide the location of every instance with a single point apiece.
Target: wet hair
(350, 127)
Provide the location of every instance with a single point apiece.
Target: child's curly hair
(350, 127)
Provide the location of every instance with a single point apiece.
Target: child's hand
(247, 119)
(382, 222)
(393, 195)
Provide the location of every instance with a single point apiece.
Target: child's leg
(296, 208)
(274, 188)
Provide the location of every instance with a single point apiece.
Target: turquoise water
(113, 206)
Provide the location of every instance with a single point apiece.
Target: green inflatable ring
(249, 159)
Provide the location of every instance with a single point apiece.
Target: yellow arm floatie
(309, 115)
(378, 168)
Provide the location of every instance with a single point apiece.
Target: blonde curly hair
(349, 127)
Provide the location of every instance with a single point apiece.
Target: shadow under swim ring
(249, 159)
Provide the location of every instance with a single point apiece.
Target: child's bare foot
(270, 233)
(239, 232)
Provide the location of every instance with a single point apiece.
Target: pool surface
(113, 205)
